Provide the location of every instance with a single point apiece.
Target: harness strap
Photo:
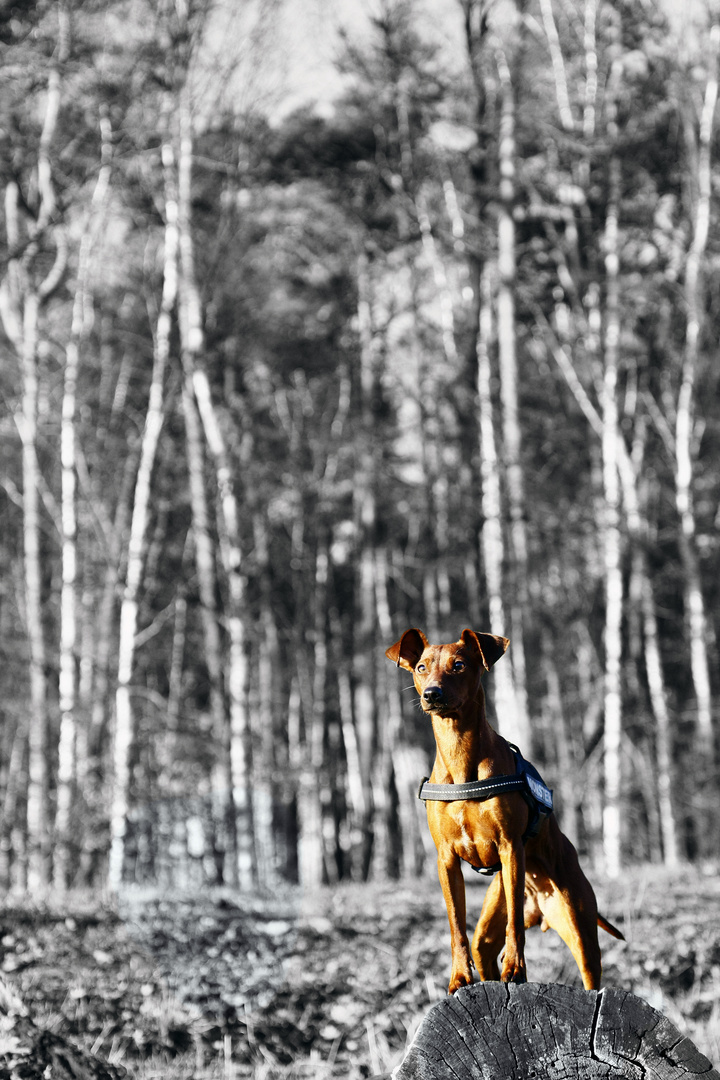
(474, 789)
(527, 781)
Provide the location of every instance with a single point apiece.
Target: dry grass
(324, 985)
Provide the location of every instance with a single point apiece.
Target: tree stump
(490, 1031)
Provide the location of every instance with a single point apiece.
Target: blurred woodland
(440, 356)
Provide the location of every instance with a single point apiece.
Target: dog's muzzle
(433, 696)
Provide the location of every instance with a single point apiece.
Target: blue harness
(527, 781)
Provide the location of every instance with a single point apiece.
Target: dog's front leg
(512, 858)
(453, 887)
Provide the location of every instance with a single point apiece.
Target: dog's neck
(466, 745)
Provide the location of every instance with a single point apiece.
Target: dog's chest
(466, 827)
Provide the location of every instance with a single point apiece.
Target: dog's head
(447, 676)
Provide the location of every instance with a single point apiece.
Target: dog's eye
(420, 667)
(458, 666)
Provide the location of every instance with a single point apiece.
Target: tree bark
(701, 172)
(507, 360)
(244, 865)
(21, 311)
(67, 762)
(509, 717)
(37, 809)
(432, 379)
(364, 635)
(558, 65)
(124, 720)
(355, 792)
(612, 536)
(663, 728)
(316, 854)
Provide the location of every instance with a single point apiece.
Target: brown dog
(539, 879)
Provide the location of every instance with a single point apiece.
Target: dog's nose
(433, 695)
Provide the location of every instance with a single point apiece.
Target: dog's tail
(609, 928)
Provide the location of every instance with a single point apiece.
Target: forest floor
(323, 985)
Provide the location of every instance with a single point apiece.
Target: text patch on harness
(539, 791)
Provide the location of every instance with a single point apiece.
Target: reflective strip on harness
(475, 789)
(527, 781)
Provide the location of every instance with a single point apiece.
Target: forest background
(279, 384)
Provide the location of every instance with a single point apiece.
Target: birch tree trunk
(272, 703)
(612, 539)
(355, 792)
(663, 740)
(639, 529)
(20, 305)
(509, 717)
(566, 758)
(244, 868)
(314, 785)
(124, 720)
(432, 378)
(364, 636)
(558, 65)
(396, 763)
(694, 601)
(437, 581)
(66, 778)
(204, 551)
(506, 332)
(37, 809)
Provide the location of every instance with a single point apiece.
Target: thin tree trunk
(431, 383)
(67, 777)
(311, 685)
(20, 319)
(124, 721)
(272, 770)
(638, 529)
(354, 786)
(663, 737)
(204, 555)
(242, 831)
(591, 85)
(105, 620)
(175, 681)
(566, 759)
(430, 391)
(21, 313)
(694, 600)
(364, 636)
(394, 759)
(13, 865)
(11, 301)
(509, 719)
(506, 332)
(612, 538)
(37, 809)
(315, 781)
(558, 65)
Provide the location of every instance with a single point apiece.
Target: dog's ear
(489, 646)
(407, 651)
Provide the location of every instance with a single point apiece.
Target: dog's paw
(514, 973)
(462, 978)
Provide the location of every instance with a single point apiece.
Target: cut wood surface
(490, 1031)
